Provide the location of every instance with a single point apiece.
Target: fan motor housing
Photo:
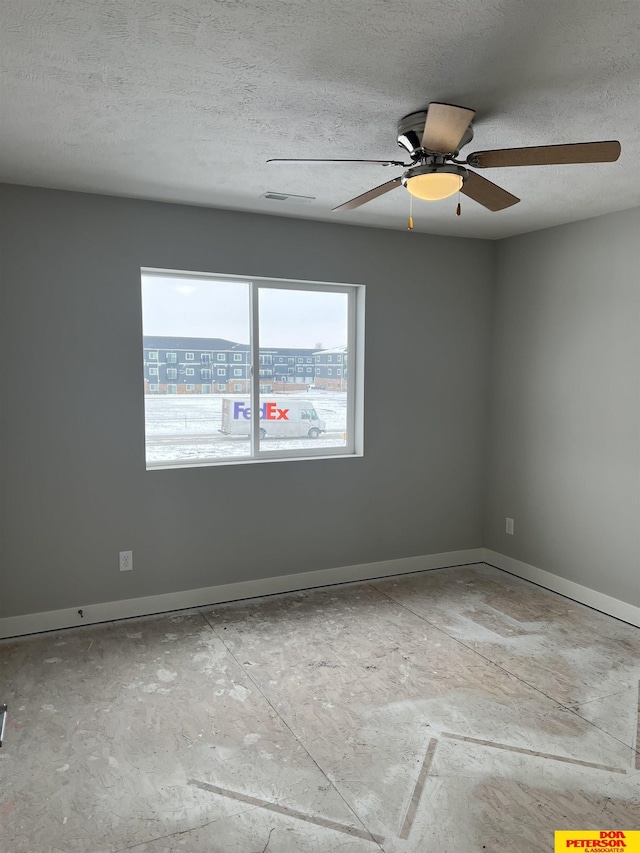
(411, 128)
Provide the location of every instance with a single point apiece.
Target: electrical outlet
(509, 527)
(126, 561)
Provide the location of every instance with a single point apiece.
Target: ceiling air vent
(298, 199)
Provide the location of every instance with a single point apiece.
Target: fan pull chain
(410, 223)
(458, 208)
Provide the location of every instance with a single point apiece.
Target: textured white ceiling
(184, 101)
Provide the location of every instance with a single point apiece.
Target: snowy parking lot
(184, 430)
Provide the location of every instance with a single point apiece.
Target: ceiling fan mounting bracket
(411, 129)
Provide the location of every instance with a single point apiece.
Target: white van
(278, 417)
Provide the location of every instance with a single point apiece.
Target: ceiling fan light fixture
(432, 183)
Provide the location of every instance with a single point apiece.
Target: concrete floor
(453, 710)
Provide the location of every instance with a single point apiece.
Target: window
(153, 371)
(188, 356)
(328, 358)
(263, 320)
(328, 371)
(153, 388)
(153, 356)
(338, 371)
(172, 358)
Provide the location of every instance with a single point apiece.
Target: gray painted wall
(564, 433)
(74, 486)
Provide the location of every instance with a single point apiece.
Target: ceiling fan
(433, 139)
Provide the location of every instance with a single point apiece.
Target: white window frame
(237, 356)
(172, 373)
(190, 387)
(189, 356)
(153, 355)
(189, 371)
(356, 294)
(153, 371)
(221, 371)
(237, 371)
(221, 356)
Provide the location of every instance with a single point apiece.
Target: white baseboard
(575, 591)
(33, 623)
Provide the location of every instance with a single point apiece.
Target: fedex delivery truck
(278, 418)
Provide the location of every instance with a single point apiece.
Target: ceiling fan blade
(445, 126)
(486, 193)
(369, 195)
(372, 162)
(547, 155)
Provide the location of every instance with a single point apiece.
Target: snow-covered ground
(184, 429)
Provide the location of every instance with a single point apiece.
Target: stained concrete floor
(453, 710)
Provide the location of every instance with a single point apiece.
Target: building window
(338, 371)
(262, 320)
(153, 355)
(153, 371)
(328, 371)
(328, 358)
(153, 388)
(189, 356)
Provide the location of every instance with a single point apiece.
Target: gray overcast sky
(216, 309)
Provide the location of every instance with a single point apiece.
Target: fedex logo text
(268, 412)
